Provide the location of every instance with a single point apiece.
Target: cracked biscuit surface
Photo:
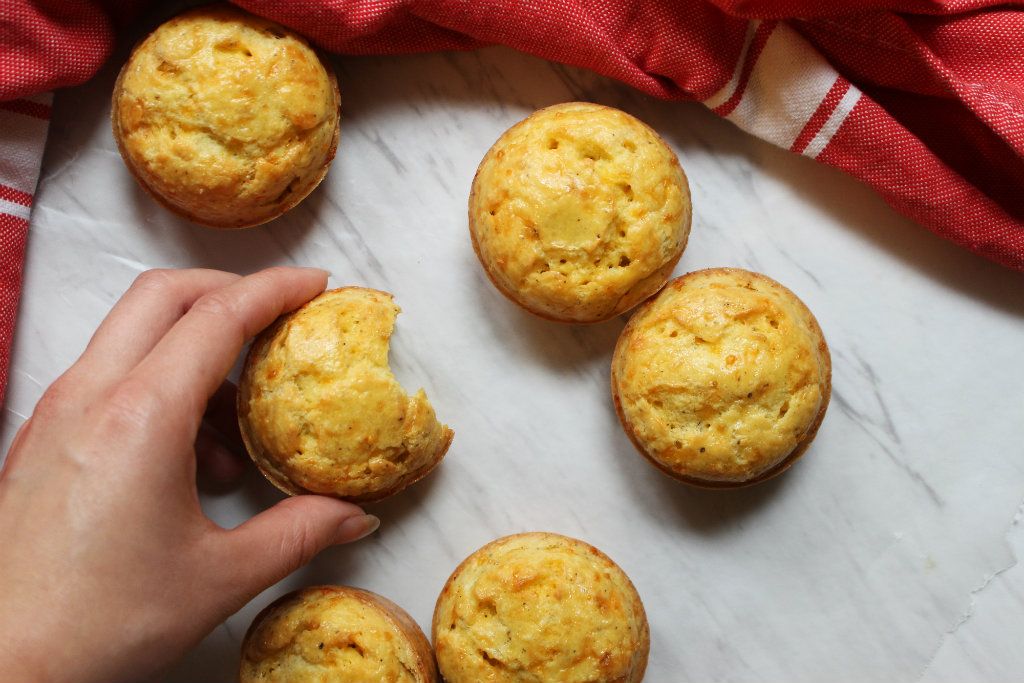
(320, 410)
(579, 212)
(723, 378)
(226, 118)
(335, 634)
(540, 607)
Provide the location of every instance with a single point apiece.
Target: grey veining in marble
(883, 555)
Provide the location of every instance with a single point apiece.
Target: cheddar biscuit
(540, 607)
(722, 379)
(579, 212)
(335, 634)
(225, 118)
(320, 410)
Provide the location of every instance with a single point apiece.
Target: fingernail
(319, 269)
(355, 528)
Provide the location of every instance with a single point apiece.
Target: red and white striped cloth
(23, 126)
(921, 99)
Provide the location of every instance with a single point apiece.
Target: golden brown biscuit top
(540, 607)
(575, 207)
(222, 113)
(321, 410)
(330, 635)
(722, 374)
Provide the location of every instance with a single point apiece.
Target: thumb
(278, 541)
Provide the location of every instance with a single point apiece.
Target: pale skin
(109, 570)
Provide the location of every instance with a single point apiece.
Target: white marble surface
(872, 559)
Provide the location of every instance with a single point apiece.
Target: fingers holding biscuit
(190, 362)
(220, 454)
(289, 535)
(156, 300)
(218, 467)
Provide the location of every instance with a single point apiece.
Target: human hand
(109, 569)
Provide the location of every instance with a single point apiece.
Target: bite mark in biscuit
(321, 411)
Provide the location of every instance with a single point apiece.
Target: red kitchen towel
(921, 99)
(23, 125)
